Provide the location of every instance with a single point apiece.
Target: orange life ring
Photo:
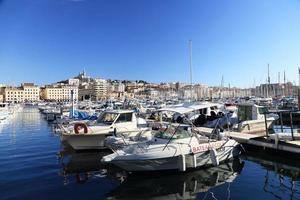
(79, 126)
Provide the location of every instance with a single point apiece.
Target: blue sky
(44, 41)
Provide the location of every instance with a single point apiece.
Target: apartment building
(62, 93)
(14, 95)
(31, 92)
(99, 89)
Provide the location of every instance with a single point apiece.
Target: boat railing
(282, 128)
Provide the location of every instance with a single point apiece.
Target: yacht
(174, 149)
(92, 135)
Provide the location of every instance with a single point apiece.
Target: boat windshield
(263, 110)
(167, 134)
(107, 118)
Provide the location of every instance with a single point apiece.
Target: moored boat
(174, 149)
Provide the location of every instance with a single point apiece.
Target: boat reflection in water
(176, 186)
(86, 165)
(281, 175)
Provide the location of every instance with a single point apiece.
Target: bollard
(281, 123)
(292, 127)
(266, 124)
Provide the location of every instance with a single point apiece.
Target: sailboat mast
(284, 83)
(191, 72)
(299, 88)
(268, 81)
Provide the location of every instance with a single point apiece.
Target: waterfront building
(60, 93)
(14, 95)
(28, 92)
(31, 92)
(276, 90)
(99, 89)
(116, 86)
(85, 92)
(94, 90)
(201, 91)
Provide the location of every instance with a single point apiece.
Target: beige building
(14, 94)
(28, 92)
(31, 92)
(99, 89)
(59, 93)
(95, 90)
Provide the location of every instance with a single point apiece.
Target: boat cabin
(193, 111)
(118, 118)
(251, 112)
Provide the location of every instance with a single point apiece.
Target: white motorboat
(251, 119)
(174, 149)
(6, 111)
(119, 141)
(91, 135)
(199, 113)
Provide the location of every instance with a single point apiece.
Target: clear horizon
(51, 40)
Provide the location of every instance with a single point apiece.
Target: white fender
(194, 161)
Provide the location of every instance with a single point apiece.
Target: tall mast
(229, 90)
(222, 85)
(299, 88)
(268, 81)
(299, 76)
(191, 72)
(284, 81)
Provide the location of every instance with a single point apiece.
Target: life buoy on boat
(79, 126)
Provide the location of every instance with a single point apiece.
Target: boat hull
(176, 162)
(255, 126)
(84, 141)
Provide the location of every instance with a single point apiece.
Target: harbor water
(34, 165)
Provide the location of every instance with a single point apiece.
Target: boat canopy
(184, 108)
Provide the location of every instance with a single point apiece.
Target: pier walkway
(261, 140)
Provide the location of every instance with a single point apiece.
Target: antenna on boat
(191, 72)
